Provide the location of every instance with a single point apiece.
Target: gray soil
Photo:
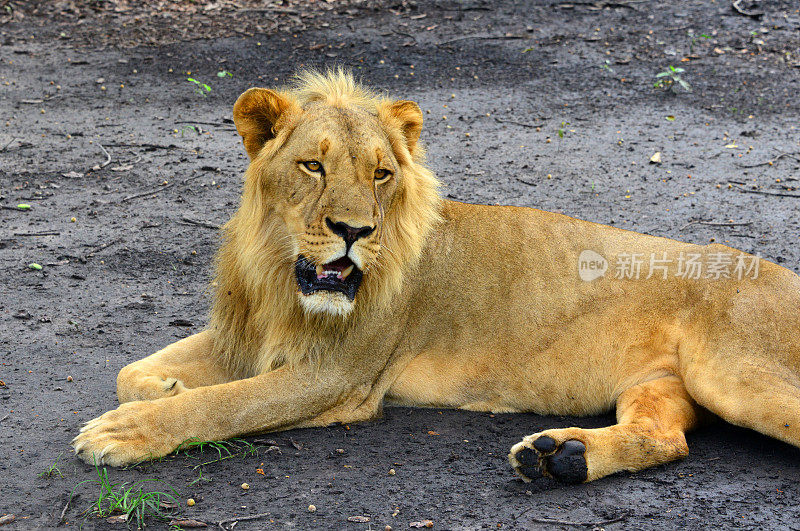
(130, 273)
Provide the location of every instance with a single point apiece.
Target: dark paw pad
(529, 461)
(568, 463)
(545, 444)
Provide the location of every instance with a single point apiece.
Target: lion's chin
(326, 302)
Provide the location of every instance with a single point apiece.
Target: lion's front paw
(125, 435)
(548, 454)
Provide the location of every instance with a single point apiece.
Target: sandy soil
(128, 170)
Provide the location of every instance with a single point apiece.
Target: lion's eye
(382, 175)
(313, 166)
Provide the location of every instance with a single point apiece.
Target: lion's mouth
(341, 275)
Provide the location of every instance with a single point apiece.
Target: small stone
(387, 528)
(69, 379)
(392, 472)
(656, 158)
(312, 508)
(73, 219)
(358, 519)
(190, 502)
(245, 486)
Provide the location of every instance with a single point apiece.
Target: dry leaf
(189, 524)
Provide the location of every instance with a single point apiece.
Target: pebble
(392, 472)
(69, 378)
(312, 508)
(190, 502)
(245, 486)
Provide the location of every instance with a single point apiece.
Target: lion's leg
(277, 400)
(183, 365)
(759, 393)
(652, 419)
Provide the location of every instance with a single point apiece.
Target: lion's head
(335, 208)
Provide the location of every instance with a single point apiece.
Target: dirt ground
(128, 169)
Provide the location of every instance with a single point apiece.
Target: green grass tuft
(53, 469)
(130, 499)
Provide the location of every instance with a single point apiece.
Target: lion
(345, 281)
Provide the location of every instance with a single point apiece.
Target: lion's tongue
(339, 268)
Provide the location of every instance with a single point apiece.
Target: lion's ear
(407, 116)
(258, 116)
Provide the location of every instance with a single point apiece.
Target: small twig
(532, 126)
(523, 181)
(4, 418)
(231, 456)
(151, 192)
(146, 145)
(764, 192)
(100, 248)
(579, 524)
(42, 233)
(222, 523)
(64, 510)
(600, 4)
(404, 34)
(466, 8)
(107, 161)
(716, 224)
(6, 207)
(769, 162)
(481, 37)
(8, 144)
(272, 9)
(202, 123)
(199, 223)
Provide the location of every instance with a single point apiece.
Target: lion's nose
(348, 233)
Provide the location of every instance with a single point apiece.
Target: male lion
(346, 280)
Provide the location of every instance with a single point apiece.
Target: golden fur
(464, 306)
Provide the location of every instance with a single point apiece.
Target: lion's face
(334, 177)
(331, 174)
